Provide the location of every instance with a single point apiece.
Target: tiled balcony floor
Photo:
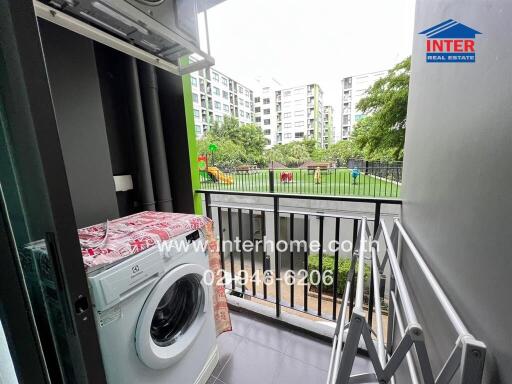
(257, 351)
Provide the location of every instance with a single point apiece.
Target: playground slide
(217, 174)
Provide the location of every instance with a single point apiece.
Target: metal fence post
(271, 180)
(276, 256)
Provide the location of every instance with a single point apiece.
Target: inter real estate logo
(450, 42)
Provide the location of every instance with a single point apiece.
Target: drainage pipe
(143, 179)
(155, 136)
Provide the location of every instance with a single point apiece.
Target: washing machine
(154, 315)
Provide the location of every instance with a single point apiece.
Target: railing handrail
(355, 199)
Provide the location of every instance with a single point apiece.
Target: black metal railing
(293, 267)
(375, 180)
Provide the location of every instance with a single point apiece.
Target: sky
(309, 41)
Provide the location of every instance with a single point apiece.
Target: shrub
(328, 265)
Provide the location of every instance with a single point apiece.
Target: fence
(375, 180)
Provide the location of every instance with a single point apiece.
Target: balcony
(365, 312)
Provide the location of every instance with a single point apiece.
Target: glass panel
(177, 310)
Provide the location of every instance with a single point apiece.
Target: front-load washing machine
(154, 315)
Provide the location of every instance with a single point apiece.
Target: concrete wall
(457, 184)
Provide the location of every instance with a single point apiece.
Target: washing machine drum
(172, 317)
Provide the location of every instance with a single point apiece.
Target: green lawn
(333, 182)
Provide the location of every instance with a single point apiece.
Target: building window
(224, 81)
(266, 111)
(196, 113)
(346, 119)
(257, 109)
(299, 135)
(287, 125)
(347, 82)
(225, 94)
(195, 98)
(226, 108)
(266, 101)
(215, 76)
(217, 105)
(246, 104)
(287, 135)
(299, 124)
(258, 119)
(241, 89)
(266, 122)
(193, 81)
(287, 114)
(198, 129)
(287, 93)
(257, 99)
(299, 113)
(218, 117)
(266, 132)
(216, 91)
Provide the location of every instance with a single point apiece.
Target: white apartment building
(328, 128)
(353, 89)
(215, 95)
(289, 114)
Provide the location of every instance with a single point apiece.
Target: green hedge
(328, 265)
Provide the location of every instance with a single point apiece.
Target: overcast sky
(309, 41)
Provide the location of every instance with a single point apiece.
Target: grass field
(337, 182)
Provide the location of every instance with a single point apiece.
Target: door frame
(20, 38)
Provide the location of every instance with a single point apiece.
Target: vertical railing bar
(208, 204)
(240, 238)
(221, 243)
(354, 240)
(264, 254)
(320, 264)
(276, 257)
(336, 268)
(231, 257)
(292, 283)
(306, 261)
(253, 263)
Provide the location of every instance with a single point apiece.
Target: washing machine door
(172, 316)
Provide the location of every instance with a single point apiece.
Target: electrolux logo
(450, 42)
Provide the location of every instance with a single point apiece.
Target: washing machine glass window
(177, 310)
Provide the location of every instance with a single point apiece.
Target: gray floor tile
(252, 363)
(270, 335)
(241, 323)
(227, 343)
(309, 350)
(294, 371)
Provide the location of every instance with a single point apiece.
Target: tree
(249, 137)
(381, 134)
(342, 151)
(290, 154)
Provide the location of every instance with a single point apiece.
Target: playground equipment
(355, 174)
(317, 176)
(218, 176)
(286, 177)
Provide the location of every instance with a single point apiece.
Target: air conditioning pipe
(155, 137)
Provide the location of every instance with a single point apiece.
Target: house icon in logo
(450, 42)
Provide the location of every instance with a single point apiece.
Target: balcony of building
(295, 326)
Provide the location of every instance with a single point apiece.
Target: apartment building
(353, 89)
(290, 114)
(215, 95)
(328, 129)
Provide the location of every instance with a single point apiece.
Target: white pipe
(408, 356)
(360, 270)
(380, 334)
(410, 315)
(441, 296)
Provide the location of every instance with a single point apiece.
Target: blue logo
(450, 42)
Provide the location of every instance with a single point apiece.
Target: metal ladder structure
(467, 357)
